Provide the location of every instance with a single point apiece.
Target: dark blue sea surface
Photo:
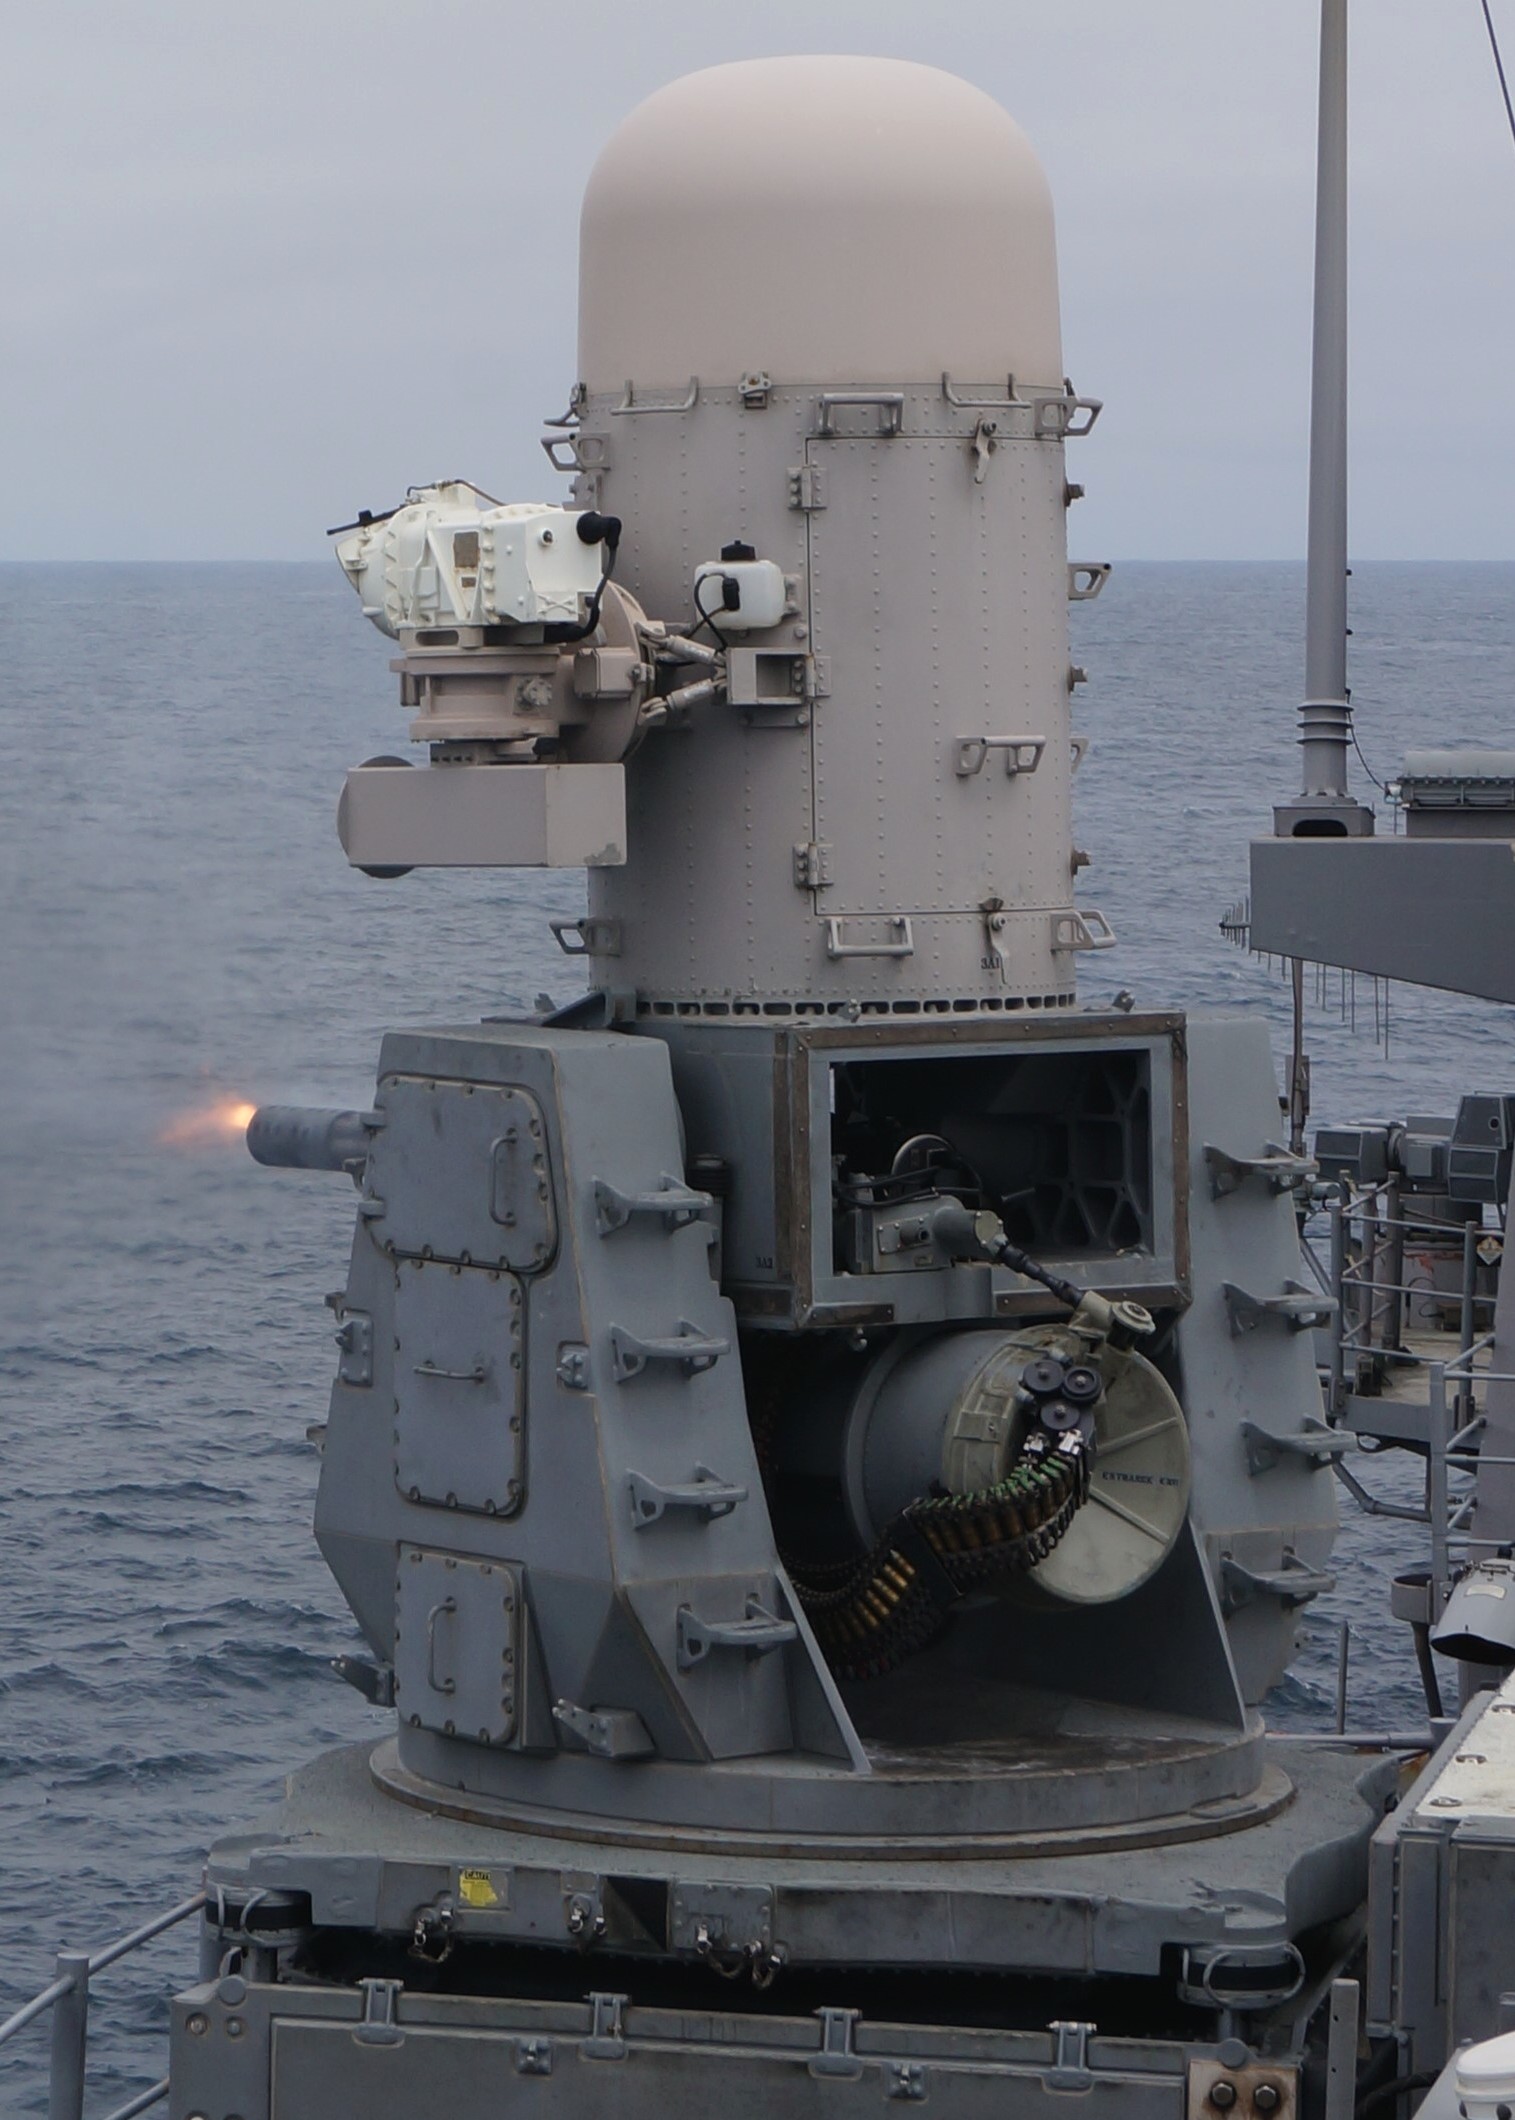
(180, 930)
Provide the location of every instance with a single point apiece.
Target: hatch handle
(444, 1610)
(890, 404)
(629, 408)
(837, 947)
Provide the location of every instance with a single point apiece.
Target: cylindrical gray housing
(819, 318)
(305, 1137)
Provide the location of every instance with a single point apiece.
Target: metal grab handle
(479, 1374)
(692, 1349)
(552, 443)
(675, 1203)
(975, 404)
(758, 1634)
(707, 1494)
(590, 938)
(890, 404)
(1023, 754)
(900, 922)
(448, 1606)
(629, 407)
(1056, 418)
(1086, 577)
(1082, 928)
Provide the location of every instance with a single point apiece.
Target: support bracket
(609, 1733)
(1279, 1170)
(836, 2056)
(607, 2033)
(1070, 2069)
(1295, 1583)
(1317, 1444)
(380, 2025)
(1297, 1308)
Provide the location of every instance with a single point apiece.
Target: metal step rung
(692, 1349)
(758, 1634)
(677, 1204)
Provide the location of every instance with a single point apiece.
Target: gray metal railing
(67, 1995)
(1360, 1260)
(1361, 1267)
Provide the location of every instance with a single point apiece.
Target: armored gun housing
(826, 1449)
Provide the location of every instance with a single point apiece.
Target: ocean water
(178, 931)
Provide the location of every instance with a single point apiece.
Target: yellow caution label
(476, 1888)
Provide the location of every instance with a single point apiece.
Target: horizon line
(317, 559)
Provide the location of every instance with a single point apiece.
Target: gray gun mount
(564, 1465)
(825, 1468)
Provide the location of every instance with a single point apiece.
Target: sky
(264, 264)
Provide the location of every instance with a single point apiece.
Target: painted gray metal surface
(1442, 1876)
(371, 1864)
(306, 2054)
(1433, 912)
(548, 1344)
(759, 1096)
(529, 1359)
(1267, 1520)
(822, 837)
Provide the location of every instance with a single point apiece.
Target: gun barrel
(303, 1137)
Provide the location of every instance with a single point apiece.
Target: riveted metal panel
(909, 542)
(457, 1645)
(463, 1172)
(928, 614)
(555, 2058)
(459, 1401)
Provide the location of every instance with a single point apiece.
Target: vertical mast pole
(1326, 603)
(1325, 718)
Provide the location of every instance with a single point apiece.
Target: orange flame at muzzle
(225, 1120)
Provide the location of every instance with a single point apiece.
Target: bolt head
(1223, 2095)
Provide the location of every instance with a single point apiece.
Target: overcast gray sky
(262, 264)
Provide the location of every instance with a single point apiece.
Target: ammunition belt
(870, 1614)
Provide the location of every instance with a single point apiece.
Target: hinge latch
(812, 865)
